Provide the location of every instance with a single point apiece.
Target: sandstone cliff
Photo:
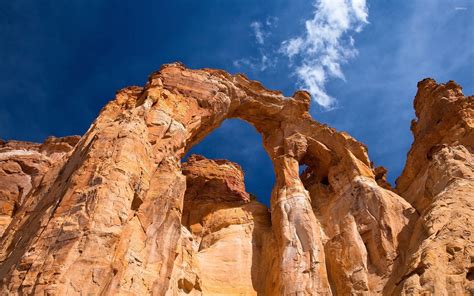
(118, 213)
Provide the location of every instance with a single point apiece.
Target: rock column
(302, 265)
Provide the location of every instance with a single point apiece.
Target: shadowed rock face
(120, 213)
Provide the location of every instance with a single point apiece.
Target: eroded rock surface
(22, 167)
(438, 180)
(120, 214)
(227, 241)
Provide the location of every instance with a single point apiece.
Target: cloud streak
(255, 64)
(325, 45)
(266, 59)
(257, 30)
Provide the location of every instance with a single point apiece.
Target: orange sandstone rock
(22, 166)
(227, 241)
(438, 180)
(120, 214)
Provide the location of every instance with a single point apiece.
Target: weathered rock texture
(22, 167)
(438, 180)
(227, 241)
(120, 214)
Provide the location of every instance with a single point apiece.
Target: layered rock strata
(22, 167)
(120, 214)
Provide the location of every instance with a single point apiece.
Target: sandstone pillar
(302, 265)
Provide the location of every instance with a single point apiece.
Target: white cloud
(241, 63)
(261, 30)
(292, 47)
(272, 21)
(314, 78)
(264, 63)
(257, 30)
(255, 64)
(326, 44)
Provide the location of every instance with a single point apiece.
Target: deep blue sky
(61, 61)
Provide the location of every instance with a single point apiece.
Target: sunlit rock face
(227, 242)
(117, 212)
(438, 180)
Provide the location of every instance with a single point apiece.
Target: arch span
(202, 99)
(110, 214)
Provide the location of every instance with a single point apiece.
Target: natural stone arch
(290, 136)
(127, 168)
(279, 120)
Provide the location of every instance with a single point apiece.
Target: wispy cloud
(272, 21)
(325, 45)
(266, 59)
(256, 64)
(460, 8)
(257, 30)
(318, 52)
(261, 30)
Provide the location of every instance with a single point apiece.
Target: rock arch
(282, 122)
(329, 238)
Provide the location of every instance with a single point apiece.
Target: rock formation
(227, 242)
(118, 213)
(438, 180)
(22, 166)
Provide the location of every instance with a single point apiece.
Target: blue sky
(61, 61)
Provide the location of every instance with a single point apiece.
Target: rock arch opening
(238, 141)
(225, 216)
